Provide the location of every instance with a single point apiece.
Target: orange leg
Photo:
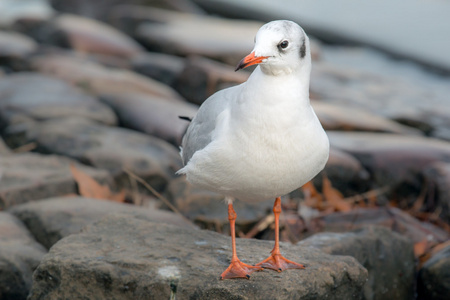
(237, 269)
(276, 261)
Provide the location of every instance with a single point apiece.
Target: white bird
(260, 139)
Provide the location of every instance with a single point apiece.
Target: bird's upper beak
(249, 60)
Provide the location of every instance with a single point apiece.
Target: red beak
(249, 60)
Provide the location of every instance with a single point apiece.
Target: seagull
(261, 139)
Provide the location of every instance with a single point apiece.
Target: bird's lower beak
(249, 60)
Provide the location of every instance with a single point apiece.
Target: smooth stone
(14, 10)
(392, 218)
(31, 176)
(99, 79)
(110, 148)
(158, 66)
(178, 33)
(387, 256)
(125, 258)
(345, 118)
(31, 97)
(20, 255)
(437, 177)
(152, 115)
(50, 220)
(433, 278)
(209, 210)
(98, 9)
(88, 36)
(16, 45)
(345, 172)
(404, 101)
(391, 158)
(203, 77)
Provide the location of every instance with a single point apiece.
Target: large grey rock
(345, 118)
(124, 258)
(433, 280)
(209, 209)
(408, 102)
(52, 219)
(30, 176)
(30, 97)
(110, 148)
(15, 49)
(87, 36)
(203, 77)
(159, 66)
(390, 158)
(153, 115)
(387, 256)
(12, 11)
(20, 254)
(186, 34)
(438, 181)
(97, 78)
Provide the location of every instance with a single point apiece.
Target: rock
(209, 209)
(153, 115)
(87, 36)
(159, 66)
(203, 77)
(404, 101)
(392, 218)
(97, 9)
(337, 117)
(433, 283)
(14, 50)
(387, 256)
(125, 258)
(110, 148)
(3, 148)
(98, 79)
(392, 160)
(177, 33)
(437, 177)
(20, 254)
(52, 219)
(30, 176)
(30, 97)
(12, 11)
(345, 172)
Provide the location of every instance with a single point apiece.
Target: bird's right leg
(237, 269)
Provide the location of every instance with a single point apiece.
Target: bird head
(280, 47)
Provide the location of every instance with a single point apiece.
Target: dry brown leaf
(334, 197)
(313, 198)
(90, 188)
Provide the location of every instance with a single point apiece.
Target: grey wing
(199, 133)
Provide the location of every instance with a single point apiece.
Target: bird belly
(255, 170)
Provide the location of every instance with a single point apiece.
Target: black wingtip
(185, 118)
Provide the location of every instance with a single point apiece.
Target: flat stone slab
(52, 219)
(29, 97)
(20, 254)
(32, 176)
(130, 258)
(110, 148)
(388, 256)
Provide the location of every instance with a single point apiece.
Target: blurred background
(91, 93)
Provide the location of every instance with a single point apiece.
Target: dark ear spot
(303, 48)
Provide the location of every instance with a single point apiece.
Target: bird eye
(284, 44)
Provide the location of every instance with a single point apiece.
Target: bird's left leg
(276, 261)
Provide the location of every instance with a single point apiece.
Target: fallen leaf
(313, 198)
(90, 188)
(333, 197)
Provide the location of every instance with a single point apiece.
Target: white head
(281, 47)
